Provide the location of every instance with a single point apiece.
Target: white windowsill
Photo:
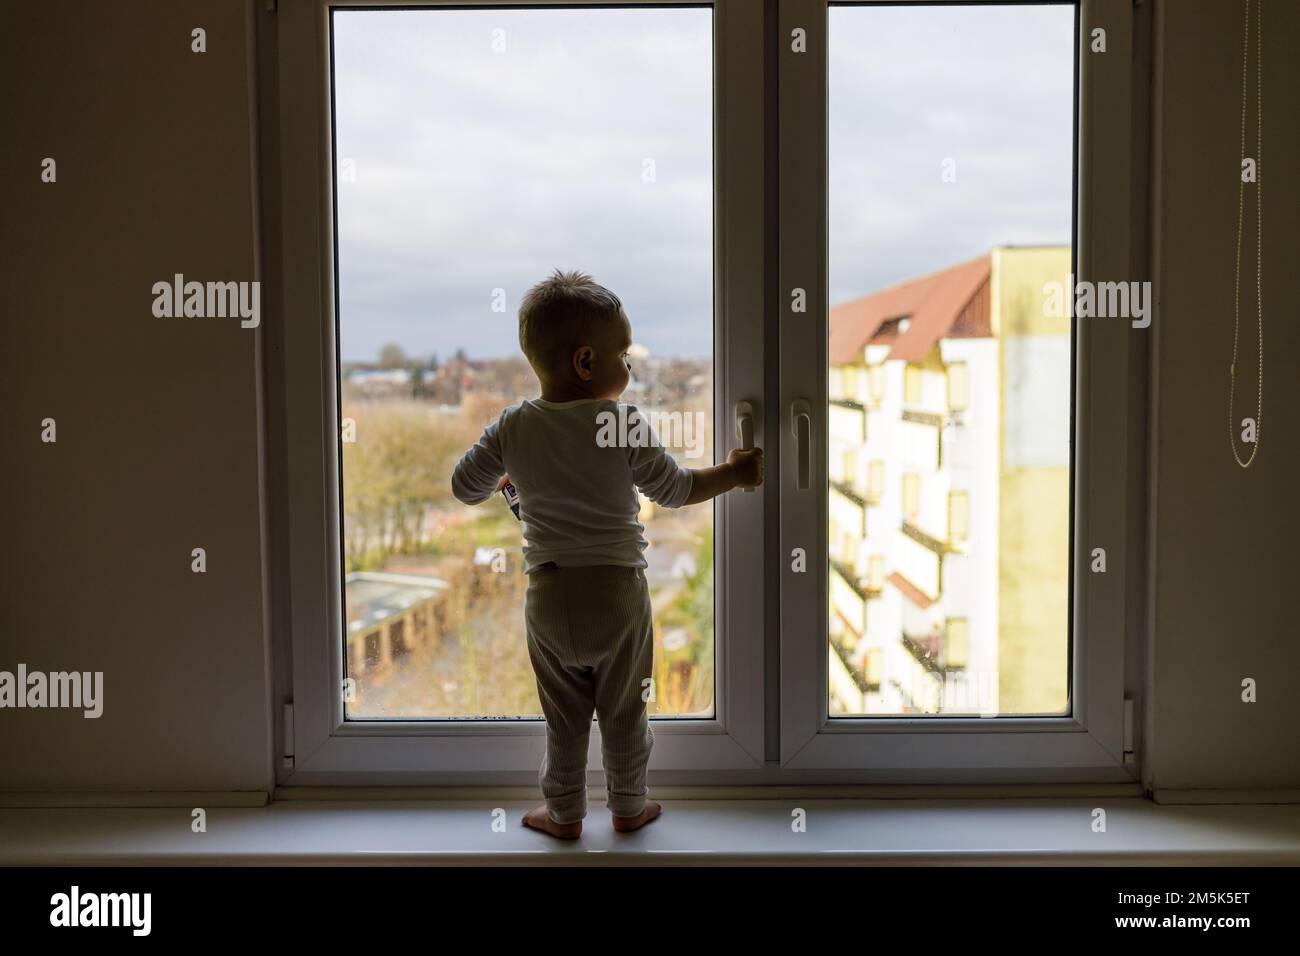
(1016, 831)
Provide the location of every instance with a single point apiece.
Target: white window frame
(1089, 745)
(321, 747)
(800, 743)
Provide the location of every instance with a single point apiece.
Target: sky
(480, 149)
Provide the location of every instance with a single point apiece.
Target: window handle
(745, 426)
(801, 425)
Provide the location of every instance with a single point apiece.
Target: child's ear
(582, 362)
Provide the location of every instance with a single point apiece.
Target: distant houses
(388, 614)
(380, 382)
(444, 383)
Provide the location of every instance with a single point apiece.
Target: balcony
(852, 493)
(937, 652)
(920, 685)
(847, 422)
(926, 651)
(933, 419)
(847, 600)
(852, 670)
(848, 511)
(921, 567)
(925, 539)
(922, 438)
(861, 585)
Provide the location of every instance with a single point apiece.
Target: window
(956, 642)
(917, 127)
(912, 384)
(1009, 581)
(428, 348)
(883, 155)
(911, 495)
(877, 373)
(875, 480)
(849, 549)
(958, 516)
(599, 153)
(851, 467)
(835, 384)
(957, 387)
(874, 666)
(876, 572)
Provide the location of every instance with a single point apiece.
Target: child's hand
(747, 466)
(505, 480)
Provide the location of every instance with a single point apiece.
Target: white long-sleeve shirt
(578, 499)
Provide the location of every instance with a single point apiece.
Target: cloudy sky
(486, 147)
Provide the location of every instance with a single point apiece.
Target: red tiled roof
(953, 303)
(911, 591)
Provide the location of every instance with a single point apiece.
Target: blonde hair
(559, 313)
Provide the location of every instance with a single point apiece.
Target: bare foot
(628, 824)
(538, 819)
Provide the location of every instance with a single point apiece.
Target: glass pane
(950, 205)
(477, 150)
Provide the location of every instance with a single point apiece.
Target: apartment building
(949, 492)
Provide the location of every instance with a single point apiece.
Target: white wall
(157, 419)
(1226, 549)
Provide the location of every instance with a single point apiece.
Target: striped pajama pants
(591, 643)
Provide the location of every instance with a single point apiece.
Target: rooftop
(372, 597)
(953, 303)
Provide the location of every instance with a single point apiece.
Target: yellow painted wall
(1033, 591)
(1017, 289)
(1034, 519)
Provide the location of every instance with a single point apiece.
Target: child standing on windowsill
(587, 608)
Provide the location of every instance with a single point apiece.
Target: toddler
(587, 608)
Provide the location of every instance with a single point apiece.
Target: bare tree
(392, 356)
